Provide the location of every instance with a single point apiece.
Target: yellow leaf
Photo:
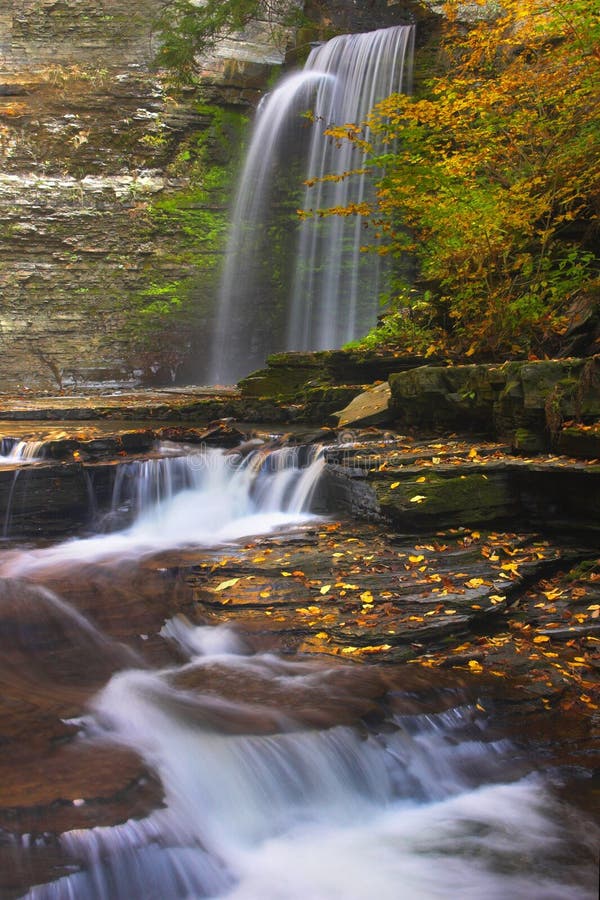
(366, 597)
(225, 584)
(265, 594)
(418, 498)
(475, 666)
(416, 559)
(541, 639)
(394, 485)
(421, 479)
(474, 582)
(325, 589)
(473, 453)
(286, 574)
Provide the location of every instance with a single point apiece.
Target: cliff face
(113, 195)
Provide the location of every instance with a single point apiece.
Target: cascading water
(260, 806)
(20, 452)
(203, 499)
(282, 778)
(329, 292)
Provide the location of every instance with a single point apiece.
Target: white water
(206, 499)
(331, 295)
(336, 287)
(416, 812)
(22, 452)
(261, 803)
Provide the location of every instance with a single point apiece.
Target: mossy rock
(527, 441)
(460, 397)
(580, 441)
(322, 403)
(446, 502)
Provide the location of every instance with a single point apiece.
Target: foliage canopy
(490, 179)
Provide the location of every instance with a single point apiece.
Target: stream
(276, 775)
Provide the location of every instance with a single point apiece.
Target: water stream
(13, 452)
(277, 784)
(207, 498)
(258, 806)
(330, 294)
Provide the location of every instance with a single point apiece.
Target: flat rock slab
(371, 407)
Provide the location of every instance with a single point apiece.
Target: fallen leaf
(225, 584)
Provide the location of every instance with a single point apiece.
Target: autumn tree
(489, 180)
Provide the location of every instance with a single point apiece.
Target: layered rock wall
(113, 195)
(114, 189)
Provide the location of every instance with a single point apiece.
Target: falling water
(328, 293)
(336, 288)
(259, 806)
(200, 499)
(20, 452)
(282, 778)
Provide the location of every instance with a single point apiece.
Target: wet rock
(137, 441)
(446, 485)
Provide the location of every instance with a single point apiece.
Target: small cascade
(258, 805)
(289, 285)
(204, 498)
(280, 480)
(13, 452)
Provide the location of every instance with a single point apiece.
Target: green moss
(445, 502)
(188, 227)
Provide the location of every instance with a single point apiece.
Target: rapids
(282, 778)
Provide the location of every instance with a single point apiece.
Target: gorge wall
(114, 187)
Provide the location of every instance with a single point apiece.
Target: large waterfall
(294, 283)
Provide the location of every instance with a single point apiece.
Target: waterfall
(282, 777)
(258, 806)
(203, 498)
(20, 452)
(328, 291)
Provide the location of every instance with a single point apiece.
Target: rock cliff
(114, 187)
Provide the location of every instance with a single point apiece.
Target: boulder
(371, 407)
